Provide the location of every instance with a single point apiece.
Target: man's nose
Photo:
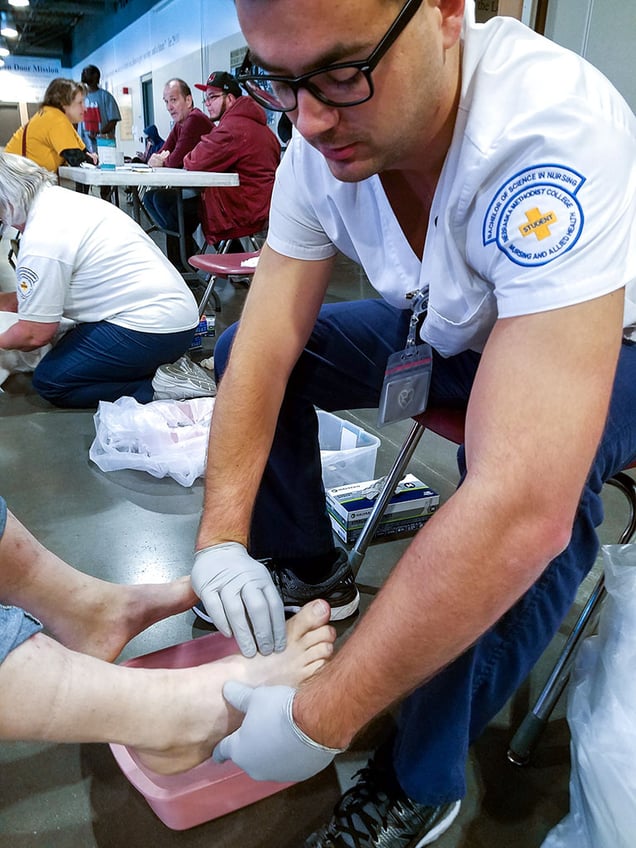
(314, 117)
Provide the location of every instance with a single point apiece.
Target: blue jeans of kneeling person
(101, 361)
(342, 368)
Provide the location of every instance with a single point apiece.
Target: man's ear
(452, 12)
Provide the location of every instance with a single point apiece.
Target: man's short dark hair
(90, 74)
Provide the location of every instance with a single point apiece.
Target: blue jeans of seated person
(161, 205)
(342, 368)
(101, 361)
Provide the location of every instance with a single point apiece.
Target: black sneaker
(339, 590)
(370, 815)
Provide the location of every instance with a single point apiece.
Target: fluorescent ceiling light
(7, 25)
(18, 3)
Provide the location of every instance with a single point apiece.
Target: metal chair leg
(210, 292)
(388, 489)
(533, 725)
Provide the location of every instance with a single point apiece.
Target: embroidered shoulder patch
(26, 281)
(535, 216)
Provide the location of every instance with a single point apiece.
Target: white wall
(189, 38)
(178, 38)
(183, 38)
(604, 32)
(611, 43)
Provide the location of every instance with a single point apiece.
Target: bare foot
(209, 717)
(86, 614)
(109, 615)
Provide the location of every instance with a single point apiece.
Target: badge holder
(407, 378)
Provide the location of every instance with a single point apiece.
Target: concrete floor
(129, 527)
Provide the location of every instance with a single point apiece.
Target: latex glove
(269, 745)
(240, 597)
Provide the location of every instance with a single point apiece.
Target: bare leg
(84, 613)
(174, 717)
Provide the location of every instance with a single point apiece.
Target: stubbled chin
(351, 172)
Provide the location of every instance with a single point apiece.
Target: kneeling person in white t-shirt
(85, 260)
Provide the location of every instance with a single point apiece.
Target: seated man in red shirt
(240, 142)
(189, 125)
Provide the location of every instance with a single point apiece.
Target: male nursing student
(468, 163)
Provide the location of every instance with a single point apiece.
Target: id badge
(407, 380)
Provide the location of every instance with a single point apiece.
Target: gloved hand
(269, 745)
(237, 592)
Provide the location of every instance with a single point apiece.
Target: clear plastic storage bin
(347, 452)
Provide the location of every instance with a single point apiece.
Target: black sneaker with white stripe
(376, 813)
(338, 589)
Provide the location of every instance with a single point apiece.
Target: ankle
(310, 569)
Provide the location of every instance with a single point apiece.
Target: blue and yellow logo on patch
(535, 216)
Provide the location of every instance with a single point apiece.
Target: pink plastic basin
(209, 790)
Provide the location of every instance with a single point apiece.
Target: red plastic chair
(222, 265)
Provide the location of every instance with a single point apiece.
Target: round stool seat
(226, 264)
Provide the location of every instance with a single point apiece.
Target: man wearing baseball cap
(222, 81)
(240, 142)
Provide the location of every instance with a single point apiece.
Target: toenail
(321, 608)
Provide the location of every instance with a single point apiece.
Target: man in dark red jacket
(189, 125)
(241, 142)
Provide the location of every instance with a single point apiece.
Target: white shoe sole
(175, 393)
(337, 614)
(441, 826)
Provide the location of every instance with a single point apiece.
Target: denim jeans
(101, 361)
(342, 368)
(16, 626)
(161, 205)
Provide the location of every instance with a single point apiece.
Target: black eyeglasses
(209, 97)
(341, 84)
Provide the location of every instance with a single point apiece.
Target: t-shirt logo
(92, 119)
(26, 282)
(535, 216)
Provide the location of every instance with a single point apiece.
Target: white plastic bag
(12, 361)
(602, 718)
(166, 438)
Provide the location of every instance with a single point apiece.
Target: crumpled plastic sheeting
(165, 438)
(12, 361)
(601, 714)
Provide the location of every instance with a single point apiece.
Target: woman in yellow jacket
(50, 138)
